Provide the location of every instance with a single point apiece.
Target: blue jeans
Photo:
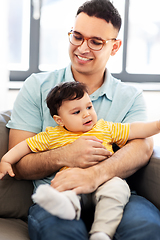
(141, 221)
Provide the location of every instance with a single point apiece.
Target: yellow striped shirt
(55, 137)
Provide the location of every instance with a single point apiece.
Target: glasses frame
(86, 38)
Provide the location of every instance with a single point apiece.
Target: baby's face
(78, 115)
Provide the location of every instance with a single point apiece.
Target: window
(23, 39)
(41, 43)
(143, 37)
(18, 34)
(55, 24)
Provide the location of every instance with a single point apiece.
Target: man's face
(85, 60)
(77, 115)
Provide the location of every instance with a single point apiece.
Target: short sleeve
(119, 133)
(138, 110)
(39, 142)
(26, 114)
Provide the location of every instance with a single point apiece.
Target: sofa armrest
(15, 196)
(146, 181)
(4, 132)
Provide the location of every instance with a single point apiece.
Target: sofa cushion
(14, 229)
(15, 198)
(15, 195)
(146, 181)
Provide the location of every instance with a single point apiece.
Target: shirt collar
(68, 74)
(106, 88)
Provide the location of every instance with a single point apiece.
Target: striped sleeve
(120, 133)
(50, 139)
(39, 142)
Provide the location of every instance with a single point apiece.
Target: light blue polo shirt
(113, 101)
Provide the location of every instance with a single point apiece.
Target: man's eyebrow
(77, 32)
(95, 37)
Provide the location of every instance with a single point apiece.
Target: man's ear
(116, 46)
(58, 120)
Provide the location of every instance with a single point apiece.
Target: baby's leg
(64, 205)
(110, 199)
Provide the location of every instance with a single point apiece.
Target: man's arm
(84, 152)
(123, 163)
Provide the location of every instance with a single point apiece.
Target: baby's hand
(6, 168)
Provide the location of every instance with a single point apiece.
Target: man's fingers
(102, 152)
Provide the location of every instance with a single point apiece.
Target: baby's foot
(54, 202)
(99, 236)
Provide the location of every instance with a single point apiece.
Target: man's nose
(84, 47)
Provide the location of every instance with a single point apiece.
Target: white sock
(54, 202)
(99, 236)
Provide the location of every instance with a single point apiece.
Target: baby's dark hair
(64, 92)
(103, 9)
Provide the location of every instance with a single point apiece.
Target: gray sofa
(15, 195)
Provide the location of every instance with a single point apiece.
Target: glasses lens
(95, 44)
(75, 39)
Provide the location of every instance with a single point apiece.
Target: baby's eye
(89, 107)
(76, 112)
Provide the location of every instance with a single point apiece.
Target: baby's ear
(58, 120)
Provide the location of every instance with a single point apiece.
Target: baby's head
(66, 91)
(71, 107)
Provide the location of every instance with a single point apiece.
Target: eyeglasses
(94, 43)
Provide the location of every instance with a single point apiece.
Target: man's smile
(84, 58)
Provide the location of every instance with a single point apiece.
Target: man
(92, 41)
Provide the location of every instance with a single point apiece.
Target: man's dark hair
(64, 92)
(103, 9)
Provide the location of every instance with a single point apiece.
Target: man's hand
(123, 163)
(77, 179)
(85, 152)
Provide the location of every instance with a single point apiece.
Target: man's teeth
(84, 59)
